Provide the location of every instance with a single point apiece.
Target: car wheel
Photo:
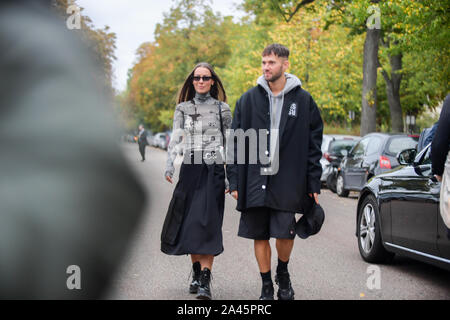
(331, 182)
(369, 233)
(341, 192)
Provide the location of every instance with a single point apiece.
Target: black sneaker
(204, 291)
(196, 271)
(267, 291)
(285, 291)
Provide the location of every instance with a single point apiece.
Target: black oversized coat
(300, 134)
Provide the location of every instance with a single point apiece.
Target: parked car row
(326, 160)
(348, 162)
(398, 204)
(374, 154)
(333, 147)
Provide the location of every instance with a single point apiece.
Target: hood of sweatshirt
(291, 83)
(276, 102)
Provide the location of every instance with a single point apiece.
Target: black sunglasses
(204, 78)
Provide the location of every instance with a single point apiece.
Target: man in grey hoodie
(276, 98)
(268, 202)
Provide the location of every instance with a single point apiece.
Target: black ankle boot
(285, 291)
(204, 291)
(196, 272)
(267, 291)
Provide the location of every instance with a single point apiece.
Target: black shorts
(264, 223)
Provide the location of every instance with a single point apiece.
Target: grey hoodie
(276, 104)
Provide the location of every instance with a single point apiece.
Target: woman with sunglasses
(193, 223)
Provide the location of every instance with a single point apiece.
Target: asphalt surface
(325, 266)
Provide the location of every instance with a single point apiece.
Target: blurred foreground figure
(68, 201)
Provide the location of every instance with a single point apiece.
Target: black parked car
(375, 153)
(398, 212)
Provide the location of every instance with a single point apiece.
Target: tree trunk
(393, 92)
(369, 90)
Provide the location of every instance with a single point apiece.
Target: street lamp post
(410, 122)
(351, 117)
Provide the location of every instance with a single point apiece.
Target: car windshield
(337, 145)
(399, 144)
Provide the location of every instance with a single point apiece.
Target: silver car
(160, 140)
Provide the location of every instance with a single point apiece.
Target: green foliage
(326, 40)
(416, 30)
(190, 33)
(328, 63)
(426, 120)
(426, 32)
(268, 12)
(244, 66)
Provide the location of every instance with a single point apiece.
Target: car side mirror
(406, 157)
(344, 152)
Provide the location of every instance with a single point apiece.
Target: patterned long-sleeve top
(196, 127)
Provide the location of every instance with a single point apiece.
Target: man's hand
(439, 178)
(316, 197)
(234, 194)
(168, 178)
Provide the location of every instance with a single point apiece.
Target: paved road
(325, 266)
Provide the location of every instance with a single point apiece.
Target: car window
(374, 145)
(360, 147)
(398, 144)
(337, 145)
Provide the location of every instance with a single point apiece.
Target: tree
(101, 42)
(190, 33)
(369, 100)
(407, 28)
(332, 50)
(328, 62)
(426, 71)
(285, 9)
(369, 86)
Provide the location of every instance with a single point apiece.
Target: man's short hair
(277, 49)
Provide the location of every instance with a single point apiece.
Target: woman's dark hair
(187, 91)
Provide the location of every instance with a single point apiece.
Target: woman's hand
(168, 178)
(234, 194)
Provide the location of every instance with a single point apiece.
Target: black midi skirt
(194, 219)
